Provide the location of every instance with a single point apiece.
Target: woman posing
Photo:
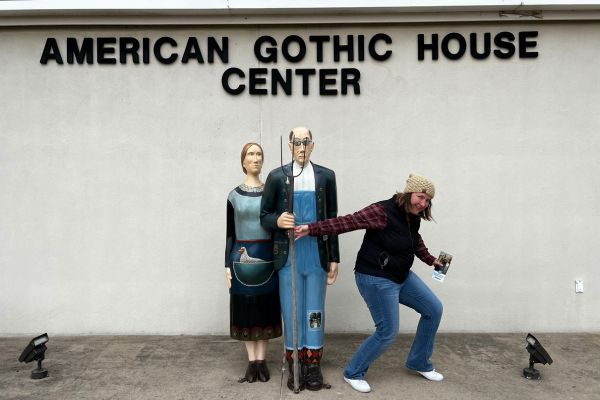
(253, 286)
(384, 278)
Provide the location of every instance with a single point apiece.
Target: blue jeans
(382, 297)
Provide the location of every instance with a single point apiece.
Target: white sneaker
(359, 385)
(432, 375)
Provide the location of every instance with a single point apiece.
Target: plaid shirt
(370, 217)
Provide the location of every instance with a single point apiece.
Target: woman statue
(253, 286)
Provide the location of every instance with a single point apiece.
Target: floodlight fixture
(36, 350)
(537, 354)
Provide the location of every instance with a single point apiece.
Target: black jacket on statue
(275, 201)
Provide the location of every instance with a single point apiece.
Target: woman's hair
(403, 200)
(245, 150)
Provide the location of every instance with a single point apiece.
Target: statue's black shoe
(290, 381)
(314, 378)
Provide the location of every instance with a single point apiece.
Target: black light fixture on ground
(537, 354)
(35, 350)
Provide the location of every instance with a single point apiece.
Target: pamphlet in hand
(440, 272)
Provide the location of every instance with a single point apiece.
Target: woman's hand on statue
(300, 231)
(333, 273)
(228, 277)
(286, 221)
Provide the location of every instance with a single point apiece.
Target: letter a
(51, 52)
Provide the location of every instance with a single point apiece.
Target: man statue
(316, 258)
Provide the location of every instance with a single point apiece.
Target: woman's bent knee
(437, 309)
(386, 336)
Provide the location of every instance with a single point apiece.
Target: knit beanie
(419, 184)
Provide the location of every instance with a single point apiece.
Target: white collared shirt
(306, 180)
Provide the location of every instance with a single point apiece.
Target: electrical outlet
(579, 286)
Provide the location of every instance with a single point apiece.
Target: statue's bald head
(300, 131)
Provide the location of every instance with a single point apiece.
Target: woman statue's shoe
(251, 373)
(262, 370)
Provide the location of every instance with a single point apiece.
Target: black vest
(390, 252)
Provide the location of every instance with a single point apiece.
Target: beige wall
(114, 178)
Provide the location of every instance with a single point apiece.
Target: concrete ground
(475, 366)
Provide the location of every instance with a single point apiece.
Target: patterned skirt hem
(256, 333)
